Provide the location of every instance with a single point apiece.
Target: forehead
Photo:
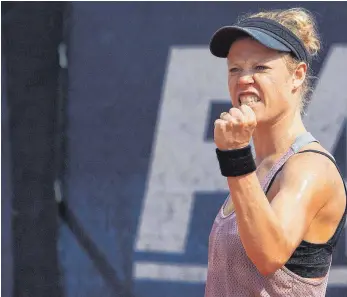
(246, 49)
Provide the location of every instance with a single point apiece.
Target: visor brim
(223, 38)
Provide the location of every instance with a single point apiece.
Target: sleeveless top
(231, 273)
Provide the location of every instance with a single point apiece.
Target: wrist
(233, 147)
(236, 162)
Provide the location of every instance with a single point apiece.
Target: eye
(261, 67)
(234, 70)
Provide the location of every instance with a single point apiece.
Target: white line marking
(198, 273)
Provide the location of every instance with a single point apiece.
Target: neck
(275, 138)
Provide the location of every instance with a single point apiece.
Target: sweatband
(236, 162)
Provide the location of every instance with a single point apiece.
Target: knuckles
(243, 117)
(234, 127)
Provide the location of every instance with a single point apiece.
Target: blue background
(118, 54)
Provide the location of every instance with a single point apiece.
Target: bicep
(298, 201)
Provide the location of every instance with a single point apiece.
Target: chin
(260, 116)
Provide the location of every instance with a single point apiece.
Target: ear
(299, 75)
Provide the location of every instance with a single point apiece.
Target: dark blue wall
(119, 61)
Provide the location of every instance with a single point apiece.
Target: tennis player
(277, 230)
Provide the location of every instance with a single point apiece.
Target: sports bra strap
(332, 159)
(302, 140)
(299, 142)
(333, 240)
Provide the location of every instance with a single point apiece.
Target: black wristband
(236, 162)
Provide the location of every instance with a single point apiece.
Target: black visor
(268, 32)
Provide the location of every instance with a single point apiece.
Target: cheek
(232, 87)
(272, 87)
(282, 89)
(279, 94)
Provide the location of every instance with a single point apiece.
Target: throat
(272, 140)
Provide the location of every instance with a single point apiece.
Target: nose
(246, 78)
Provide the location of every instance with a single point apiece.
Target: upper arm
(304, 187)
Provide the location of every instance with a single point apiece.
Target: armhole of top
(273, 178)
(314, 151)
(332, 241)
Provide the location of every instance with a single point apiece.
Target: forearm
(261, 233)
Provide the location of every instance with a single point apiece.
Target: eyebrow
(265, 60)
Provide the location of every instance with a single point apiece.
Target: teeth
(248, 99)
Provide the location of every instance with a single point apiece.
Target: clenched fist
(234, 129)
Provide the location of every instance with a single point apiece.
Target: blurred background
(109, 180)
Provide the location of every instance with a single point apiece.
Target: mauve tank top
(232, 274)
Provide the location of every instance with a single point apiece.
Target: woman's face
(259, 77)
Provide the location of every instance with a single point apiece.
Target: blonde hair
(303, 24)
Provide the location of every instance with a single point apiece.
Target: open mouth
(249, 100)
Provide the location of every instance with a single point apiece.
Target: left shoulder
(311, 168)
(309, 161)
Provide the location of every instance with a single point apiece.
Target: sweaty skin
(307, 198)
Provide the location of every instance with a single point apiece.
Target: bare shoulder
(312, 164)
(315, 169)
(326, 196)
(312, 171)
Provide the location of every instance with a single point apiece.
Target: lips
(248, 99)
